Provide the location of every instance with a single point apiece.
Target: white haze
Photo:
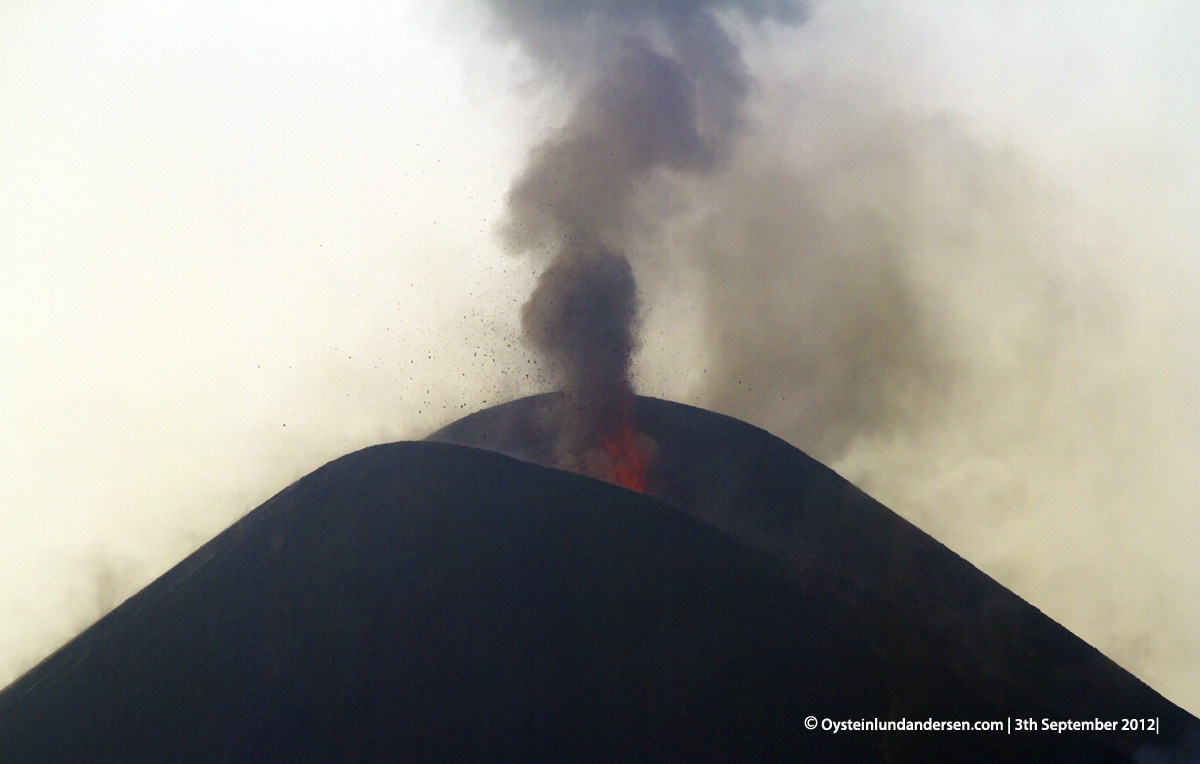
(239, 240)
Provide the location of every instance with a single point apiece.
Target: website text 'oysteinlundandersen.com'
(1005, 725)
(905, 725)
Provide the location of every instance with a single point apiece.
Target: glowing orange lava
(629, 461)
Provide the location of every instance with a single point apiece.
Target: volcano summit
(438, 601)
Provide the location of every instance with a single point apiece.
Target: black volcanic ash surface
(436, 602)
(423, 601)
(927, 607)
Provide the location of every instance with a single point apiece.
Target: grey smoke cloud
(948, 317)
(204, 197)
(667, 97)
(849, 293)
(579, 185)
(536, 23)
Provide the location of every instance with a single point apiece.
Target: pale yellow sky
(238, 240)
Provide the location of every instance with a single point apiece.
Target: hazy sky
(239, 240)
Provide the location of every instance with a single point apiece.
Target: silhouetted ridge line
(430, 601)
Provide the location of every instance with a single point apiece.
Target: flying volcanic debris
(669, 96)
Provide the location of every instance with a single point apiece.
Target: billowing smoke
(948, 248)
(669, 97)
(930, 246)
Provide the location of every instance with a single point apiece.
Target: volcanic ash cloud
(669, 97)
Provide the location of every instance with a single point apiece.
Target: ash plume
(668, 98)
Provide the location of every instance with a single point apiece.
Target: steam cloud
(670, 97)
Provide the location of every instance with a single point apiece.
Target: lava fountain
(629, 452)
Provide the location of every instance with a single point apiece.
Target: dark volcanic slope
(928, 605)
(425, 601)
(419, 601)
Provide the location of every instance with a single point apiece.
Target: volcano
(456, 600)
